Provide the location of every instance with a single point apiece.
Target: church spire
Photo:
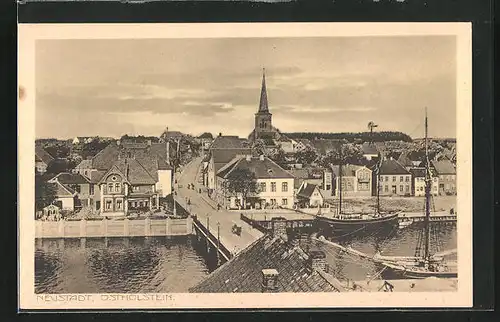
(263, 107)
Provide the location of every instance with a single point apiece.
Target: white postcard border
(29, 33)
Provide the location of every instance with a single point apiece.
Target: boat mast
(340, 177)
(379, 162)
(428, 181)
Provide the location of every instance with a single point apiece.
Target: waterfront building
(356, 180)
(274, 184)
(42, 159)
(272, 264)
(309, 195)
(418, 182)
(393, 179)
(128, 175)
(73, 192)
(447, 177)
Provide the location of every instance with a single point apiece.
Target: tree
(45, 193)
(306, 156)
(279, 157)
(92, 148)
(60, 165)
(346, 154)
(241, 182)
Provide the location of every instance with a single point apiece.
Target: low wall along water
(113, 228)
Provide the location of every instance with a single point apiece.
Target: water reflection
(117, 265)
(174, 264)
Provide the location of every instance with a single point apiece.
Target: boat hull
(400, 272)
(334, 226)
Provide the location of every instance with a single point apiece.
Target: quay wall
(113, 228)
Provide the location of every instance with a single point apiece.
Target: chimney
(279, 228)
(261, 157)
(220, 134)
(317, 261)
(269, 280)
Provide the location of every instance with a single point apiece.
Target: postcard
(245, 165)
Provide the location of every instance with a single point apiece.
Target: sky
(337, 84)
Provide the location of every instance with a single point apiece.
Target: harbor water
(174, 264)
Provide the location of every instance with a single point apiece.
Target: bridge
(208, 222)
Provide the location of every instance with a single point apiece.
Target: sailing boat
(354, 222)
(426, 265)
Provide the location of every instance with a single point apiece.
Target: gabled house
(356, 180)
(77, 186)
(222, 150)
(309, 195)
(128, 176)
(393, 179)
(447, 177)
(42, 159)
(274, 184)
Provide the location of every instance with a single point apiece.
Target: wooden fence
(113, 228)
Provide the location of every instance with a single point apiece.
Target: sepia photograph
(166, 166)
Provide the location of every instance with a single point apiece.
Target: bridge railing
(211, 238)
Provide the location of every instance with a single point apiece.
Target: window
(386, 178)
(284, 187)
(386, 188)
(110, 187)
(117, 187)
(407, 179)
(407, 188)
(263, 187)
(273, 186)
(273, 201)
(86, 173)
(400, 178)
(328, 187)
(77, 188)
(284, 201)
(401, 188)
(119, 204)
(381, 179)
(91, 189)
(394, 179)
(108, 204)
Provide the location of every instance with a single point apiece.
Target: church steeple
(263, 107)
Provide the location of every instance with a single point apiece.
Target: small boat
(405, 222)
(426, 264)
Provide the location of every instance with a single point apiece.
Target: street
(206, 211)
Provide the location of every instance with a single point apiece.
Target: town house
(418, 182)
(128, 176)
(72, 191)
(447, 177)
(222, 150)
(356, 180)
(274, 184)
(309, 195)
(393, 179)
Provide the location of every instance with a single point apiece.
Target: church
(263, 129)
